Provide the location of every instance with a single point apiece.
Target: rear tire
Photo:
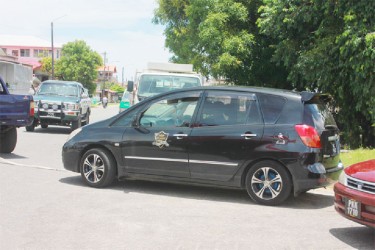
(268, 183)
(8, 141)
(98, 168)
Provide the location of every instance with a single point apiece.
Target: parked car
(270, 142)
(63, 103)
(355, 193)
(15, 111)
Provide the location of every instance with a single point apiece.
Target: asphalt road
(42, 206)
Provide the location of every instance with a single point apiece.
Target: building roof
(27, 41)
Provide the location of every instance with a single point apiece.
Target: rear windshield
(318, 115)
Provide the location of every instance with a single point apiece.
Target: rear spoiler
(310, 97)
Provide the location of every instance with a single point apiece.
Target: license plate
(50, 114)
(353, 208)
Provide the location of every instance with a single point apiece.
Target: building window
(5, 50)
(57, 53)
(25, 53)
(14, 52)
(40, 53)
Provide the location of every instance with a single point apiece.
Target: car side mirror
(130, 86)
(135, 122)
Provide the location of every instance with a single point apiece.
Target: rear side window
(271, 107)
(229, 108)
(318, 115)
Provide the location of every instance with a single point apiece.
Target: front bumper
(57, 115)
(70, 157)
(367, 200)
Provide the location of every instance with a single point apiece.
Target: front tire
(268, 183)
(98, 168)
(76, 124)
(30, 128)
(8, 141)
(87, 119)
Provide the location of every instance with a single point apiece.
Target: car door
(157, 143)
(227, 134)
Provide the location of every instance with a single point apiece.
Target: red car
(355, 193)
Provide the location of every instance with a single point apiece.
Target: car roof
(264, 90)
(63, 82)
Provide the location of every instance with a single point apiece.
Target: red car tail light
(308, 135)
(31, 112)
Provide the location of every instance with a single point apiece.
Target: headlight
(74, 133)
(342, 178)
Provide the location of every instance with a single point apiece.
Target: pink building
(29, 50)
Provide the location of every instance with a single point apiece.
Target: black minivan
(270, 142)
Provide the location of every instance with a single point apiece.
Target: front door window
(158, 144)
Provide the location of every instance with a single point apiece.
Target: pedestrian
(105, 101)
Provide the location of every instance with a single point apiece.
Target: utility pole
(52, 47)
(105, 76)
(53, 57)
(122, 77)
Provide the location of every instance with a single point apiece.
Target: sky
(122, 29)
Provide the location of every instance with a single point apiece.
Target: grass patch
(358, 155)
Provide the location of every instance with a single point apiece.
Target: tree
(117, 88)
(221, 39)
(329, 46)
(79, 63)
(47, 65)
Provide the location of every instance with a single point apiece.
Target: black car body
(270, 142)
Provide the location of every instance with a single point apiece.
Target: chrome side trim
(214, 163)
(182, 160)
(155, 159)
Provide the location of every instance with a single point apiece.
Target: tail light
(309, 136)
(32, 111)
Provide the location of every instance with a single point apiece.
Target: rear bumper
(315, 176)
(367, 204)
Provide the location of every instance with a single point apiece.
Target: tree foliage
(221, 39)
(79, 63)
(117, 88)
(329, 46)
(318, 45)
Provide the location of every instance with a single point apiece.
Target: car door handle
(248, 135)
(180, 136)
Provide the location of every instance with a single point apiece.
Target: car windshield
(60, 89)
(154, 84)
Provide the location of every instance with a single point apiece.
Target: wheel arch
(97, 145)
(251, 164)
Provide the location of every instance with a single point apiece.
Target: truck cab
(159, 78)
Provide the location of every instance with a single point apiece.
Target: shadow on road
(12, 156)
(51, 130)
(357, 237)
(201, 192)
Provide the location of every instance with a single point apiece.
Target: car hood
(363, 171)
(56, 98)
